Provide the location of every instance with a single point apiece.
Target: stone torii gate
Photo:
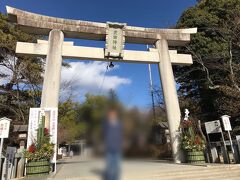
(115, 35)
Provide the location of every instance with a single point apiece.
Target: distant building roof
(4, 118)
(20, 128)
(163, 125)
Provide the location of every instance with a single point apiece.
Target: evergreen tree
(211, 86)
(20, 76)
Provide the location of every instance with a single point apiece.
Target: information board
(4, 127)
(33, 125)
(53, 130)
(213, 127)
(238, 142)
(34, 118)
(226, 123)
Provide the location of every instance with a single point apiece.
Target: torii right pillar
(170, 98)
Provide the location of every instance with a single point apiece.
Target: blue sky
(131, 80)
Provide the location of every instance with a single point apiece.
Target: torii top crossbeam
(42, 25)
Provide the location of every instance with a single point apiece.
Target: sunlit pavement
(79, 169)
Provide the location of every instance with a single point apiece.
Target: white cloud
(6, 69)
(6, 72)
(83, 77)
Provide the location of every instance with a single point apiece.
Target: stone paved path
(78, 169)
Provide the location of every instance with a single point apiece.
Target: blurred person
(113, 144)
(71, 154)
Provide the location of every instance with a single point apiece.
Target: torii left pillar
(52, 74)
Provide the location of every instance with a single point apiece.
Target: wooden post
(1, 147)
